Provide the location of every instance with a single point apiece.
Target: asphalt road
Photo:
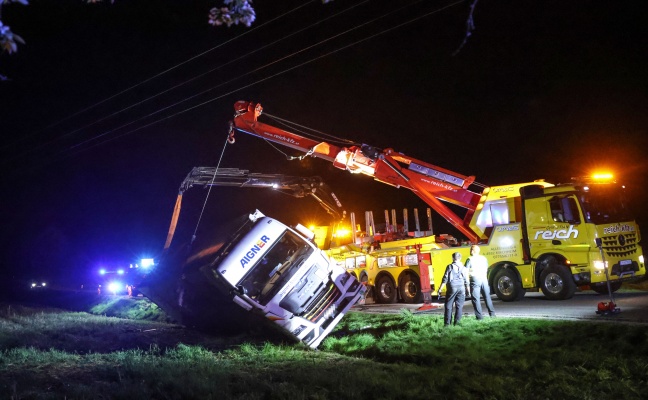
(583, 306)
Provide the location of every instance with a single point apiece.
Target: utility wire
(168, 70)
(238, 77)
(276, 74)
(182, 63)
(186, 82)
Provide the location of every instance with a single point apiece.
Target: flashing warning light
(342, 232)
(102, 271)
(120, 271)
(147, 262)
(604, 176)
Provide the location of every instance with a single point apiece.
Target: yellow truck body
(535, 236)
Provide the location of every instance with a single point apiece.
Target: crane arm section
(433, 184)
(295, 186)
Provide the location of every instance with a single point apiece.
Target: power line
(182, 84)
(281, 72)
(180, 64)
(166, 71)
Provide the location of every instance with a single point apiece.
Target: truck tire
(410, 289)
(556, 282)
(385, 290)
(507, 287)
(603, 289)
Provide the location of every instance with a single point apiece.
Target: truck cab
(544, 236)
(278, 272)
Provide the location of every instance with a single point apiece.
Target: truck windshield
(276, 267)
(604, 204)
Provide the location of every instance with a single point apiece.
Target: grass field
(57, 354)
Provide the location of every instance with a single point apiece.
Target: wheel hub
(505, 285)
(386, 290)
(554, 283)
(410, 290)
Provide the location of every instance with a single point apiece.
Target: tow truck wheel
(385, 290)
(556, 283)
(603, 289)
(507, 286)
(410, 289)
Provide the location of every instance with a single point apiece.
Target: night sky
(108, 107)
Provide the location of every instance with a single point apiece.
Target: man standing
(456, 276)
(478, 270)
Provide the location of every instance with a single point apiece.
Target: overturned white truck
(263, 274)
(278, 272)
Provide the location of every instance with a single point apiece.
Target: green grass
(130, 308)
(54, 354)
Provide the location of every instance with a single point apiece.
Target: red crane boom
(433, 184)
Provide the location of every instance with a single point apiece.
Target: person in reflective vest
(456, 278)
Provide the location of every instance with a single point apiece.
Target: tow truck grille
(620, 246)
(322, 302)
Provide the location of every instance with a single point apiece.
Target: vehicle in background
(38, 285)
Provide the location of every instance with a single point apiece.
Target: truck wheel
(507, 287)
(556, 283)
(385, 290)
(410, 289)
(603, 289)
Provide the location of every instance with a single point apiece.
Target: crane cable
(178, 204)
(326, 136)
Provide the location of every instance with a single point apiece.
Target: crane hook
(230, 137)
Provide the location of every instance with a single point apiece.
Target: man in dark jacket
(456, 277)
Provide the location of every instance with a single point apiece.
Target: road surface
(583, 306)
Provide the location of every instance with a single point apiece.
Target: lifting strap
(174, 221)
